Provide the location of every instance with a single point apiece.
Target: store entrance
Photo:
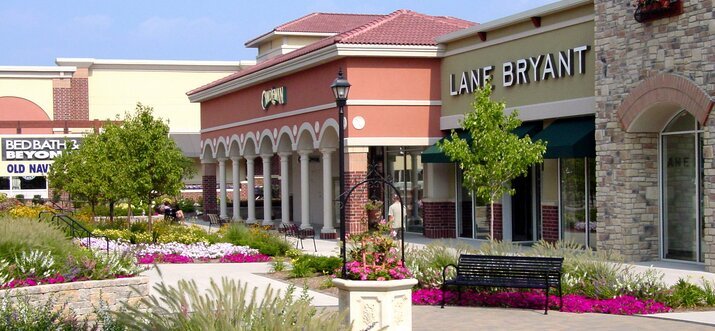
(522, 208)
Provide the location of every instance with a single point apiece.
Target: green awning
(434, 155)
(569, 138)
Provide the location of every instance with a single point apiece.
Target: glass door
(404, 165)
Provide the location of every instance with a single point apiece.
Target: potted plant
(377, 287)
(648, 10)
(373, 208)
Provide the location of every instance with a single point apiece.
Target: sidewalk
(433, 318)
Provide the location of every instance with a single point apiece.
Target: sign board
(274, 96)
(25, 155)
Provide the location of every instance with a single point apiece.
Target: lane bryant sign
(523, 71)
(32, 155)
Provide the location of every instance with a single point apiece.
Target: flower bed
(622, 305)
(183, 253)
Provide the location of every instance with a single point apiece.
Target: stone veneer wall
(627, 53)
(83, 297)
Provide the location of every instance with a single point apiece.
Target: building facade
(276, 125)
(39, 105)
(655, 84)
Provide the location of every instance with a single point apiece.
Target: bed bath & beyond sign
(33, 155)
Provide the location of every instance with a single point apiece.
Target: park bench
(293, 230)
(214, 219)
(506, 271)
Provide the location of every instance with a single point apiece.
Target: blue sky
(37, 32)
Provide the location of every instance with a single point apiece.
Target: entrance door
(522, 208)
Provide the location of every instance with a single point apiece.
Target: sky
(36, 32)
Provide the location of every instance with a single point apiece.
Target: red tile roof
(323, 23)
(402, 27)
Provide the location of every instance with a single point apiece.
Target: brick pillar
(355, 216)
(71, 96)
(550, 223)
(208, 181)
(439, 219)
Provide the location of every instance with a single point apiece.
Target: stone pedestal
(377, 305)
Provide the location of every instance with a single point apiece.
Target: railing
(74, 228)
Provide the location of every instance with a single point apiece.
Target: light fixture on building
(341, 88)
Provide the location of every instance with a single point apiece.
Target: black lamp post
(340, 88)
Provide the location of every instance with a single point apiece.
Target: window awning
(435, 155)
(569, 138)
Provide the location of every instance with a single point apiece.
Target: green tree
(495, 155)
(150, 162)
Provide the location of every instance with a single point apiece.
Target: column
(235, 164)
(251, 194)
(222, 186)
(285, 195)
(267, 199)
(208, 182)
(328, 231)
(415, 188)
(304, 190)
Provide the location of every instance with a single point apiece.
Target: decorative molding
(539, 111)
(37, 71)
(521, 35)
(368, 102)
(391, 141)
(269, 117)
(155, 64)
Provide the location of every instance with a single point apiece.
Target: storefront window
(33, 183)
(578, 192)
(4, 183)
(473, 214)
(404, 165)
(681, 162)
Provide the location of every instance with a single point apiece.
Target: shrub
(686, 295)
(225, 306)
(20, 314)
(37, 199)
(308, 265)
(20, 235)
(23, 211)
(255, 237)
(428, 262)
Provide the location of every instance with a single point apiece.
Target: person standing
(395, 213)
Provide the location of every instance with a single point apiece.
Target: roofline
(513, 19)
(257, 41)
(323, 55)
(37, 71)
(155, 64)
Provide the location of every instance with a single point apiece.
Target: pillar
(328, 231)
(304, 189)
(222, 186)
(208, 182)
(267, 199)
(250, 185)
(235, 164)
(285, 195)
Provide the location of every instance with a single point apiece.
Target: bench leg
(561, 299)
(314, 246)
(546, 306)
(443, 297)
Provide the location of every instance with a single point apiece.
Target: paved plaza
(451, 318)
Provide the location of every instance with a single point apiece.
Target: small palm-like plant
(225, 306)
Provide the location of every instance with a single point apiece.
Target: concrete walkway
(433, 318)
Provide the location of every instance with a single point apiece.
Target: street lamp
(340, 88)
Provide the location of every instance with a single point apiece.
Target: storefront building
(540, 62)
(39, 106)
(275, 124)
(655, 85)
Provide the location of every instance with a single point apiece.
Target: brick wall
(550, 223)
(355, 217)
(439, 219)
(71, 101)
(210, 201)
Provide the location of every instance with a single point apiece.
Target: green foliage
(277, 265)
(427, 263)
(25, 235)
(495, 155)
(308, 265)
(267, 243)
(686, 295)
(19, 314)
(226, 306)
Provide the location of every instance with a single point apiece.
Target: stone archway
(657, 99)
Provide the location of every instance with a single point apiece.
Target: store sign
(523, 71)
(31, 156)
(274, 96)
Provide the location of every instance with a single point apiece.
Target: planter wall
(377, 305)
(84, 297)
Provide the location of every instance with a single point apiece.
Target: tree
(495, 155)
(150, 163)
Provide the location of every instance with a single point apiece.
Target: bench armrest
(444, 271)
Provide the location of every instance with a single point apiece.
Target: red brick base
(210, 202)
(550, 223)
(439, 220)
(328, 236)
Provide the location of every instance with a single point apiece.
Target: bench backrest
(213, 219)
(510, 267)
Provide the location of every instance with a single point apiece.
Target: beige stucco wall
(497, 53)
(114, 92)
(37, 90)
